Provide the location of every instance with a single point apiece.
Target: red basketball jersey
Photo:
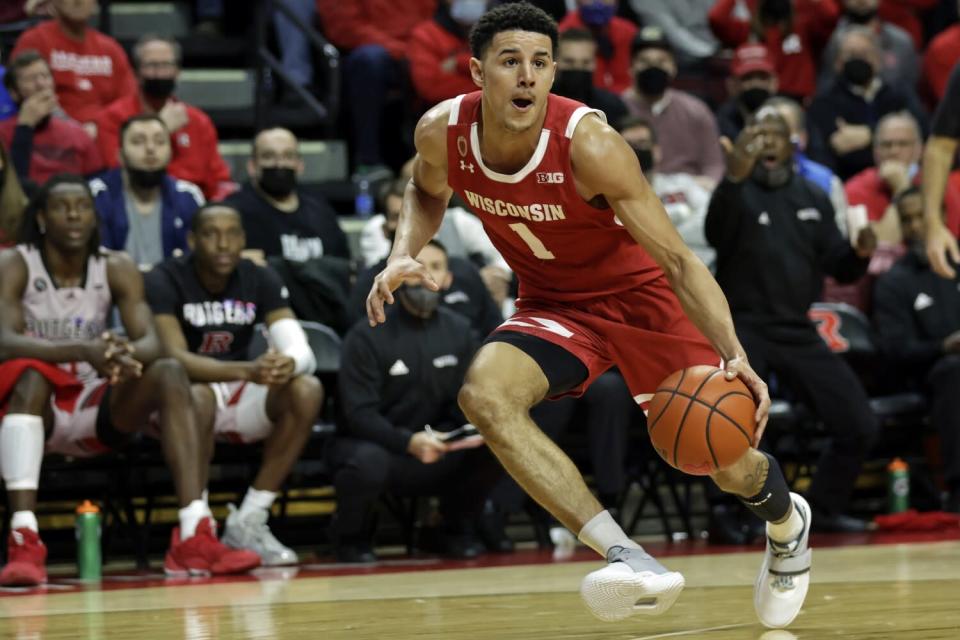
(560, 247)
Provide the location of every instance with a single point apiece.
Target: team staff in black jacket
(398, 385)
(917, 315)
(776, 236)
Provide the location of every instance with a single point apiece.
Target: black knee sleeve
(772, 503)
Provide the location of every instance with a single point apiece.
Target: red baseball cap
(750, 58)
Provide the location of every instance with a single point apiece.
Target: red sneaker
(204, 555)
(26, 560)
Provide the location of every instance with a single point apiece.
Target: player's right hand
(399, 271)
(426, 447)
(272, 368)
(738, 367)
(941, 249)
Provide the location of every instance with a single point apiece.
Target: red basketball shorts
(643, 331)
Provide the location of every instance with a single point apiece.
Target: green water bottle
(88, 541)
(898, 476)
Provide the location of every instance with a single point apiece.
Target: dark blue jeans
(370, 74)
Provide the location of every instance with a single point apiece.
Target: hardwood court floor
(868, 592)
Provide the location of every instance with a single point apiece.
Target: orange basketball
(700, 422)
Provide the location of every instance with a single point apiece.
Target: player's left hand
(739, 368)
(866, 242)
(397, 272)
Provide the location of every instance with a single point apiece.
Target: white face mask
(467, 12)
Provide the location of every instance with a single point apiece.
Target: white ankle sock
(257, 499)
(190, 517)
(602, 532)
(788, 530)
(24, 520)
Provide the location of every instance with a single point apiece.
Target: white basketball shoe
(784, 577)
(631, 583)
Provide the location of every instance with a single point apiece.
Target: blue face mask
(597, 13)
(913, 170)
(468, 12)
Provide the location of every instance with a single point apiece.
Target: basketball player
(78, 389)
(604, 279)
(206, 306)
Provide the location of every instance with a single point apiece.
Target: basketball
(700, 422)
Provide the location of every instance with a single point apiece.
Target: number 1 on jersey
(532, 241)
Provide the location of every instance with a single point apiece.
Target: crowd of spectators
(799, 181)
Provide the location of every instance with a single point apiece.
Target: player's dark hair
(198, 215)
(140, 117)
(638, 121)
(30, 230)
(514, 16)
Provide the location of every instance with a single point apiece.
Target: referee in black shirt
(937, 160)
(776, 237)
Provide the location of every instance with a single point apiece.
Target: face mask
(858, 72)
(645, 156)
(146, 178)
(420, 301)
(773, 178)
(753, 97)
(468, 11)
(159, 88)
(597, 13)
(278, 182)
(652, 81)
(776, 9)
(861, 17)
(576, 84)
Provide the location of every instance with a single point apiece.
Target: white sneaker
(784, 577)
(631, 583)
(253, 533)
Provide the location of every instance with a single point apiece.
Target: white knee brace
(21, 450)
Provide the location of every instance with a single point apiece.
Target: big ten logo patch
(829, 324)
(547, 177)
(216, 342)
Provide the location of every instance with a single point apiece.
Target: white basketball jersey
(70, 313)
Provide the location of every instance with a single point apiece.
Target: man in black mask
(753, 79)
(397, 397)
(193, 138)
(143, 210)
(844, 114)
(685, 125)
(917, 316)
(776, 237)
(900, 64)
(281, 218)
(576, 62)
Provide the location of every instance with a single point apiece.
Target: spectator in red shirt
(90, 69)
(376, 34)
(41, 139)
(897, 149)
(941, 55)
(439, 51)
(193, 137)
(793, 30)
(903, 13)
(614, 37)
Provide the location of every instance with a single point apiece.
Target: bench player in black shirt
(207, 305)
